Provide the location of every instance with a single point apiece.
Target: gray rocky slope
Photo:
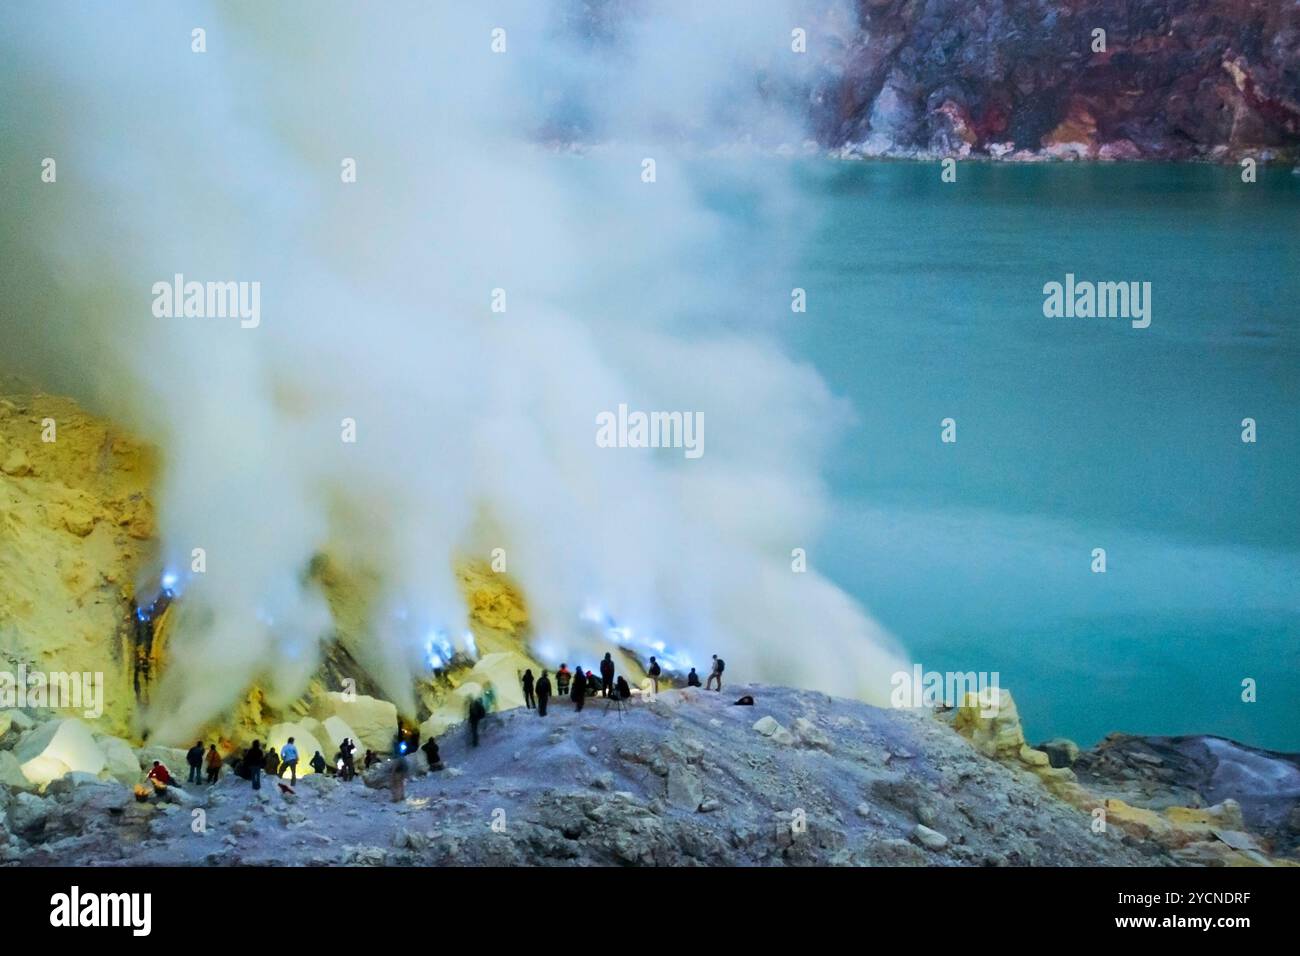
(685, 779)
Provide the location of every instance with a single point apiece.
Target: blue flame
(624, 635)
(438, 651)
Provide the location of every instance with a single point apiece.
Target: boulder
(71, 781)
(95, 798)
(317, 729)
(56, 748)
(1034, 758)
(16, 464)
(303, 739)
(438, 724)
(11, 773)
(18, 720)
(173, 758)
(374, 720)
(380, 776)
(120, 761)
(1139, 821)
(28, 814)
(930, 839)
(810, 735)
(989, 720)
(333, 732)
(177, 796)
(1061, 751)
(683, 788)
(405, 838)
(79, 520)
(769, 728)
(503, 670)
(1225, 815)
(318, 783)
(453, 710)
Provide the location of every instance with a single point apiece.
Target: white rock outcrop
(374, 720)
(303, 739)
(120, 760)
(769, 727)
(56, 748)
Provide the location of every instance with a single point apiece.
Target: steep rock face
(1178, 79)
(78, 536)
(76, 528)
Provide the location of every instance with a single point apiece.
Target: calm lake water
(925, 302)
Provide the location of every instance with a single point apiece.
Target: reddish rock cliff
(1178, 79)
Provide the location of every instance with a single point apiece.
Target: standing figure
(529, 701)
(543, 693)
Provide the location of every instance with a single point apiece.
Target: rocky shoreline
(1212, 80)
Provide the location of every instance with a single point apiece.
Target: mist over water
(475, 429)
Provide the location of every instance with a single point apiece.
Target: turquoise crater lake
(926, 302)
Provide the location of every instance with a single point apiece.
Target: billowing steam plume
(475, 429)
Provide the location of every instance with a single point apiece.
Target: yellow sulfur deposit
(76, 529)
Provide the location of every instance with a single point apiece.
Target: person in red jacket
(160, 776)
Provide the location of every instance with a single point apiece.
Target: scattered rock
(364, 855)
(1061, 751)
(683, 788)
(406, 839)
(1142, 756)
(119, 759)
(70, 781)
(1034, 758)
(372, 719)
(16, 464)
(29, 814)
(19, 720)
(930, 839)
(767, 726)
(173, 758)
(809, 735)
(56, 748)
(79, 520)
(11, 773)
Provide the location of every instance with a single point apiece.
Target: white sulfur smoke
(475, 429)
